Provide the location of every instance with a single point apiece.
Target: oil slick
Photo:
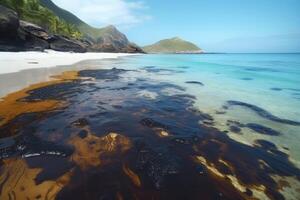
(124, 145)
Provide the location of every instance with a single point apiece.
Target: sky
(241, 26)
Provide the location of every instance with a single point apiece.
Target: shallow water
(219, 126)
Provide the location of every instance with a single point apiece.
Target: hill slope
(88, 31)
(109, 38)
(172, 45)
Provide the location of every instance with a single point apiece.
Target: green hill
(62, 22)
(88, 31)
(172, 45)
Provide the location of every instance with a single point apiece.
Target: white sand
(13, 62)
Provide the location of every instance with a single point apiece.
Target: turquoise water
(268, 81)
(168, 107)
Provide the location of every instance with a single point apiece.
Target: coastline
(17, 61)
(22, 69)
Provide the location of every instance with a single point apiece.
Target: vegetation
(32, 11)
(88, 31)
(173, 45)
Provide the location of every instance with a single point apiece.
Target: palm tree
(18, 6)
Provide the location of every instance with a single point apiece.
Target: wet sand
(96, 134)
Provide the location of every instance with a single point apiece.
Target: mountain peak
(175, 38)
(110, 27)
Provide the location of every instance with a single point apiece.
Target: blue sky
(214, 25)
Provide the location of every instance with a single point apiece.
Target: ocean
(207, 126)
(268, 81)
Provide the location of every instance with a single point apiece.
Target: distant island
(33, 25)
(174, 45)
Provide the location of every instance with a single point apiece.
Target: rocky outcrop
(18, 35)
(34, 30)
(112, 40)
(9, 23)
(60, 43)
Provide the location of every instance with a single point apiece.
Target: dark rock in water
(263, 113)
(262, 129)
(60, 43)
(194, 82)
(9, 23)
(276, 89)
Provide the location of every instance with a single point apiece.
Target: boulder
(9, 23)
(61, 43)
(34, 30)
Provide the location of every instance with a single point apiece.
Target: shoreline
(22, 69)
(26, 60)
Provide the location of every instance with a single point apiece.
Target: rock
(61, 43)
(34, 30)
(112, 40)
(18, 35)
(9, 23)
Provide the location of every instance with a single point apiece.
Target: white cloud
(105, 12)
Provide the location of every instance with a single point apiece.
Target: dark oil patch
(247, 79)
(195, 82)
(261, 69)
(262, 129)
(162, 71)
(165, 166)
(235, 129)
(183, 67)
(263, 113)
(276, 89)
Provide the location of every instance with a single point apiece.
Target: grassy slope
(171, 46)
(87, 30)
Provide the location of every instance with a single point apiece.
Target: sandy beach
(19, 70)
(13, 62)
